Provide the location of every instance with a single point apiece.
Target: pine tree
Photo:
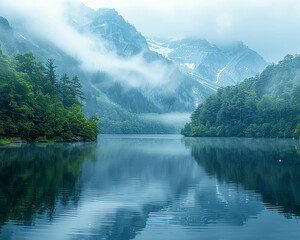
(50, 71)
(77, 88)
(51, 85)
(67, 91)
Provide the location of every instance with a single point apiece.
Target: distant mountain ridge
(222, 65)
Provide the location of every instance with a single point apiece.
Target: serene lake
(151, 187)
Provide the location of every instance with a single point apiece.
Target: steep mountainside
(110, 26)
(216, 65)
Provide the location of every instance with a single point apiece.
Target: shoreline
(10, 140)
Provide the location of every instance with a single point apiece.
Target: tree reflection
(270, 167)
(33, 178)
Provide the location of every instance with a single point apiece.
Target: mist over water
(177, 120)
(151, 187)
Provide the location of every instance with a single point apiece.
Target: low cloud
(47, 19)
(168, 118)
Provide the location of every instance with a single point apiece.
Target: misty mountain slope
(222, 65)
(109, 25)
(114, 102)
(123, 37)
(13, 42)
(98, 102)
(8, 43)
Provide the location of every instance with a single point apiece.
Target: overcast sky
(271, 27)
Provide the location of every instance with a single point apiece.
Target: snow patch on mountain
(22, 36)
(159, 47)
(220, 72)
(204, 82)
(190, 65)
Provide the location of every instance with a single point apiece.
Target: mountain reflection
(141, 187)
(270, 167)
(147, 177)
(34, 177)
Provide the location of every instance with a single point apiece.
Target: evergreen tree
(77, 88)
(50, 71)
(67, 91)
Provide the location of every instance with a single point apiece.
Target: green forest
(38, 105)
(267, 105)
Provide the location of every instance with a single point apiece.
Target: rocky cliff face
(108, 25)
(221, 65)
(8, 42)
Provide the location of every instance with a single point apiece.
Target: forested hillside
(36, 104)
(267, 105)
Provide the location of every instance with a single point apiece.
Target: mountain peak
(235, 45)
(108, 15)
(109, 11)
(107, 23)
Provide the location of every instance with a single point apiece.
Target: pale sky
(271, 27)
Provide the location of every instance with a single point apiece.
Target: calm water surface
(151, 187)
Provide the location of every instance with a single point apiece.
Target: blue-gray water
(151, 187)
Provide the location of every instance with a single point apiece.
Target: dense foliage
(267, 105)
(36, 105)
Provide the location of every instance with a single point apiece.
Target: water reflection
(270, 167)
(34, 177)
(150, 187)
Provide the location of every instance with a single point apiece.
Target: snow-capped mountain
(219, 65)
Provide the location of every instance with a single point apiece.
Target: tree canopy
(36, 104)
